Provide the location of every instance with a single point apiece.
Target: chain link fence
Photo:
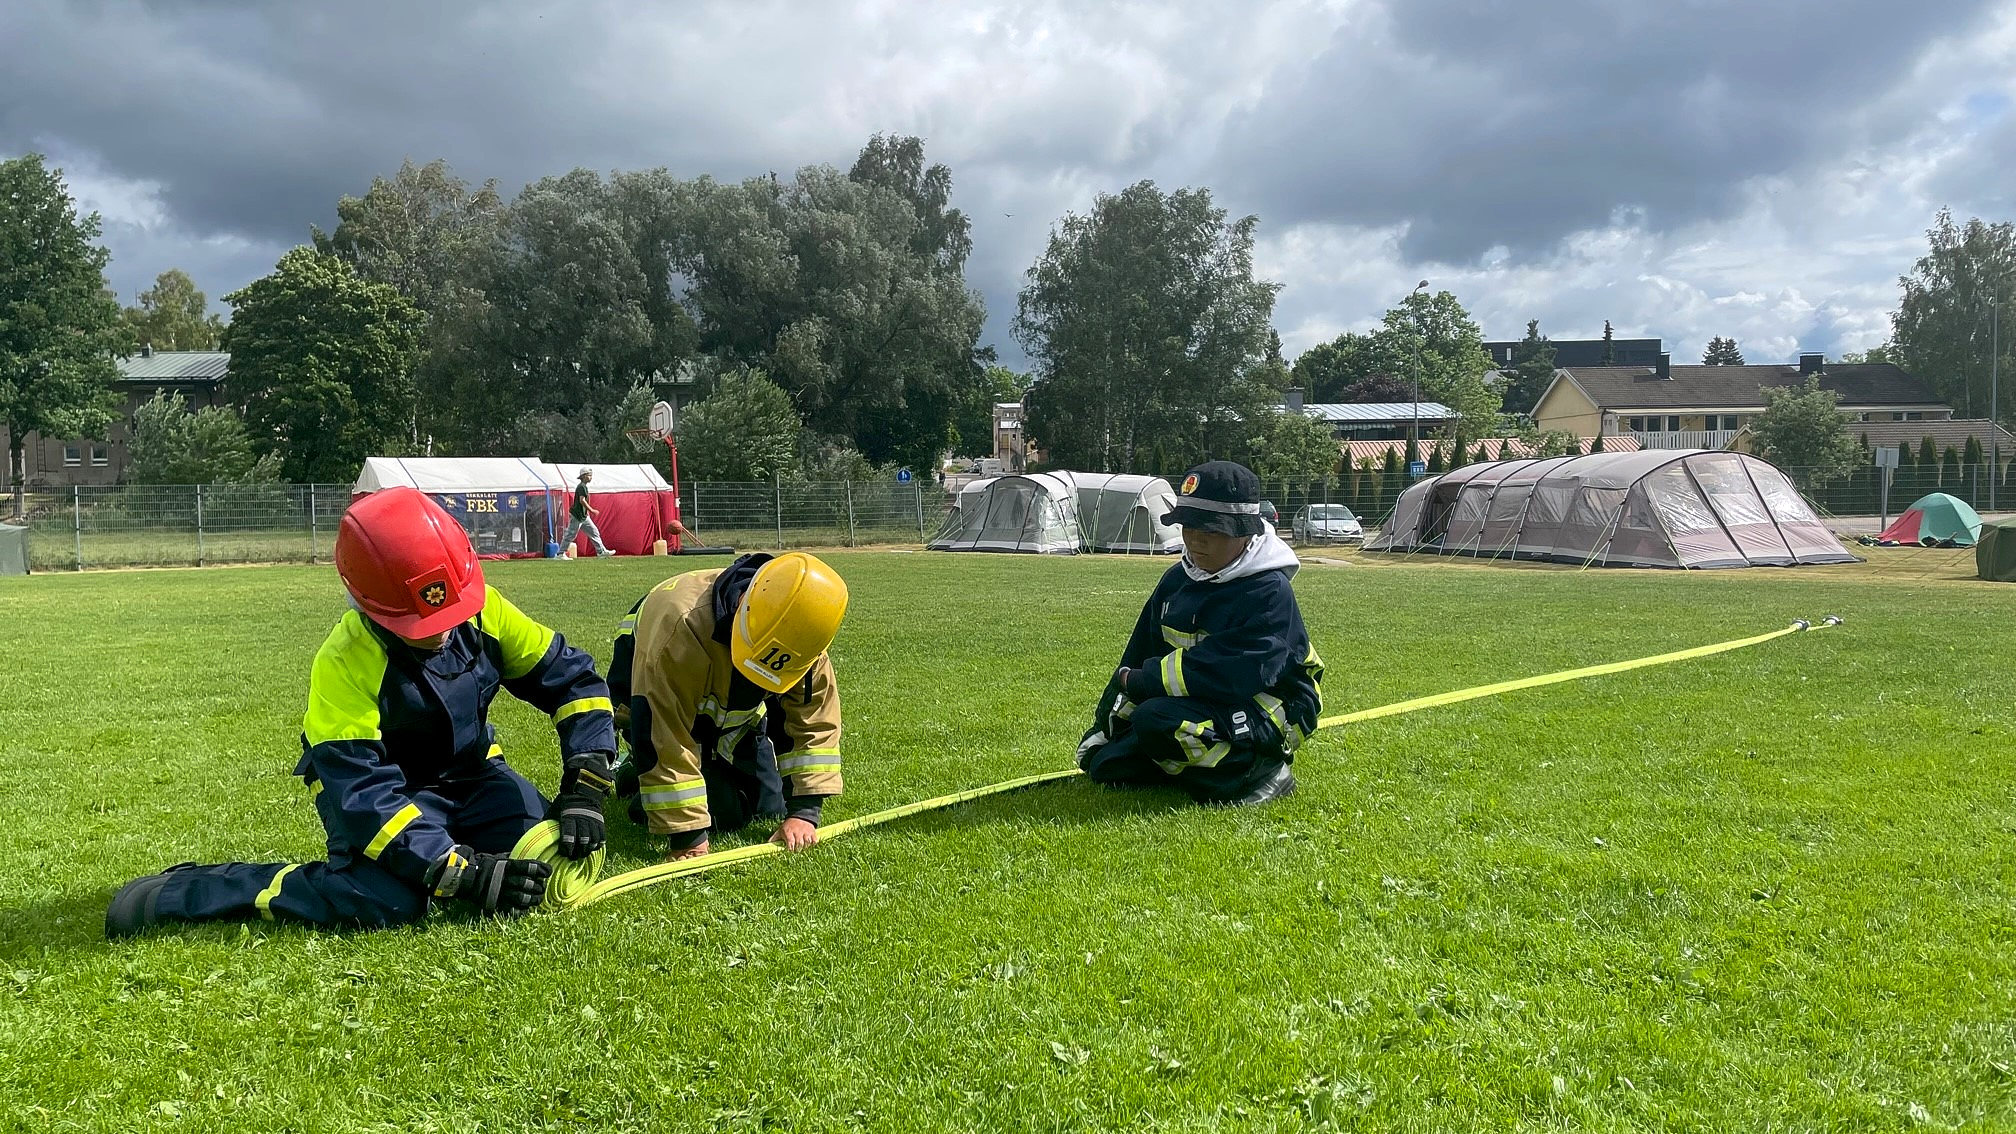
(82, 527)
(203, 525)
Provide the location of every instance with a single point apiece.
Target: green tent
(1995, 554)
(1937, 520)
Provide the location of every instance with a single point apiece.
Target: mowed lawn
(1769, 890)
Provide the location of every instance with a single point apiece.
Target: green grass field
(1770, 890)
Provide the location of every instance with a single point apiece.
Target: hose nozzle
(1831, 620)
(1801, 624)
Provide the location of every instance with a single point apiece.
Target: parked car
(1270, 513)
(1332, 522)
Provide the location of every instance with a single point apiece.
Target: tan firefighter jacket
(683, 674)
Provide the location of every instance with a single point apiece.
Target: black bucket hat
(1218, 496)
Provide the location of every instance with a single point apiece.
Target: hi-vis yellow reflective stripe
(809, 761)
(672, 796)
(628, 625)
(1172, 674)
(1179, 638)
(315, 788)
(265, 899)
(496, 749)
(343, 685)
(584, 705)
(522, 642)
(391, 830)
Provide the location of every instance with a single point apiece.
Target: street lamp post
(1417, 374)
(1994, 402)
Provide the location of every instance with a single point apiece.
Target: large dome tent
(1061, 513)
(1683, 508)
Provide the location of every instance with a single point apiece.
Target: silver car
(1333, 523)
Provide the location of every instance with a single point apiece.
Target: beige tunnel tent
(1654, 508)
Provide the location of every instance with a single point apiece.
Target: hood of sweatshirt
(1266, 552)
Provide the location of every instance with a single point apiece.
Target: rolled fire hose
(574, 882)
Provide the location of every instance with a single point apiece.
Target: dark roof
(1583, 352)
(176, 366)
(1725, 387)
(1952, 431)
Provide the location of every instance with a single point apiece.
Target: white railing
(1684, 438)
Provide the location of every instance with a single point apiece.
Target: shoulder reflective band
(573, 883)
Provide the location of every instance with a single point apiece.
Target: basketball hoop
(664, 419)
(642, 440)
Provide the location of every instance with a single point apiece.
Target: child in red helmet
(397, 750)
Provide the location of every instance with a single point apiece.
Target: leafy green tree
(1949, 468)
(1803, 432)
(440, 242)
(1355, 368)
(578, 311)
(1147, 329)
(1289, 447)
(1609, 350)
(173, 315)
(171, 445)
(59, 326)
(1879, 353)
(322, 363)
(1531, 372)
(746, 430)
(1941, 331)
(1722, 352)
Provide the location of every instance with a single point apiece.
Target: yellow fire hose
(574, 882)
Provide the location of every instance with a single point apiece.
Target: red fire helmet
(407, 564)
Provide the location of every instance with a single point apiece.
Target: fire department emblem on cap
(434, 594)
(1190, 484)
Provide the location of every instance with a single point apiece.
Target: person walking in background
(583, 516)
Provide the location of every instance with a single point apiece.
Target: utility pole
(1417, 372)
(1994, 395)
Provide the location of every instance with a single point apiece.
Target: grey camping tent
(1061, 513)
(1652, 508)
(13, 550)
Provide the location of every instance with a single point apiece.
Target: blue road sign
(902, 476)
(1417, 468)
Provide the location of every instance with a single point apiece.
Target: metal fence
(204, 525)
(83, 527)
(180, 525)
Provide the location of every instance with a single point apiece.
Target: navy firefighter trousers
(488, 811)
(1214, 752)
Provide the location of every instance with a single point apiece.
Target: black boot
(132, 908)
(1274, 785)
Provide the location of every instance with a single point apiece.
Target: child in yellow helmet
(733, 707)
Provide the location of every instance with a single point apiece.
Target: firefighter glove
(578, 807)
(493, 883)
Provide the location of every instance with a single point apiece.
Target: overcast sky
(1683, 168)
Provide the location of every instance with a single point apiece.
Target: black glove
(492, 883)
(578, 807)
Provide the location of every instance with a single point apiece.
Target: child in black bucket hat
(1218, 684)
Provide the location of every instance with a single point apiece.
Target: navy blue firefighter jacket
(1233, 639)
(386, 720)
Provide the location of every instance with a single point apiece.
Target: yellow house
(1683, 407)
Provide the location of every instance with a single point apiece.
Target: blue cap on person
(1218, 496)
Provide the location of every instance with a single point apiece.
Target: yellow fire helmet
(787, 618)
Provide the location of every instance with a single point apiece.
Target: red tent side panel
(630, 522)
(1904, 529)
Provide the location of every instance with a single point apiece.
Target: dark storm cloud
(254, 117)
(1482, 123)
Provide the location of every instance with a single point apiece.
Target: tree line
(819, 325)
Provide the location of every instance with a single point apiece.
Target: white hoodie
(1265, 552)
